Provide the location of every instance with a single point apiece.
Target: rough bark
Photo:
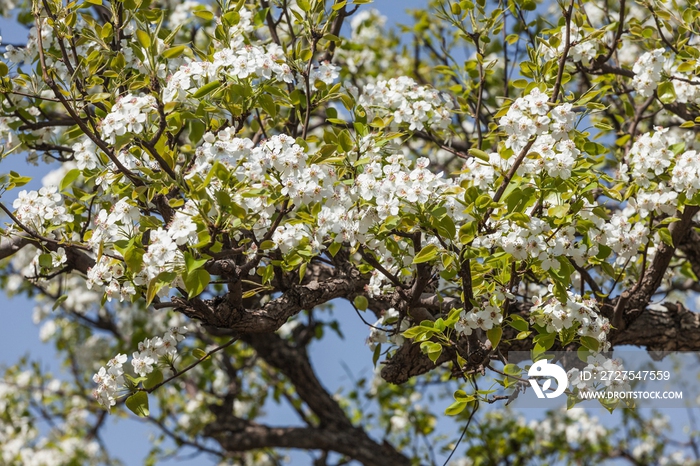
(239, 435)
(219, 312)
(77, 259)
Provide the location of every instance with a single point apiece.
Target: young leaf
(206, 89)
(666, 92)
(494, 335)
(361, 303)
(196, 282)
(426, 254)
(69, 178)
(153, 379)
(143, 38)
(138, 404)
(455, 408)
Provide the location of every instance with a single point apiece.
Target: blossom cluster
(387, 183)
(325, 72)
(162, 254)
(128, 115)
(536, 241)
(582, 49)
(85, 154)
(375, 52)
(623, 235)
(583, 313)
(532, 117)
(116, 224)
(651, 67)
(240, 61)
(652, 159)
(652, 155)
(408, 103)
(647, 71)
(485, 318)
(110, 380)
(41, 209)
(106, 273)
(574, 425)
(152, 349)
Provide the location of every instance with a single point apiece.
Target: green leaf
(267, 104)
(134, 258)
(413, 332)
(60, 300)
(17, 180)
(455, 408)
(345, 141)
(432, 349)
(666, 92)
(666, 237)
(138, 404)
(153, 379)
(3, 69)
(361, 303)
(583, 354)
(558, 211)
(483, 201)
(426, 254)
(479, 154)
(305, 5)
(231, 18)
(377, 353)
(494, 335)
(143, 38)
(545, 340)
(196, 130)
(45, 261)
(512, 369)
(590, 343)
(196, 282)
(267, 244)
(206, 89)
(174, 52)
(158, 282)
(518, 323)
(204, 14)
(192, 264)
(200, 354)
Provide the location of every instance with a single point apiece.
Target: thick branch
(674, 328)
(220, 313)
(240, 435)
(9, 246)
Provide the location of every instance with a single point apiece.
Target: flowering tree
(521, 177)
